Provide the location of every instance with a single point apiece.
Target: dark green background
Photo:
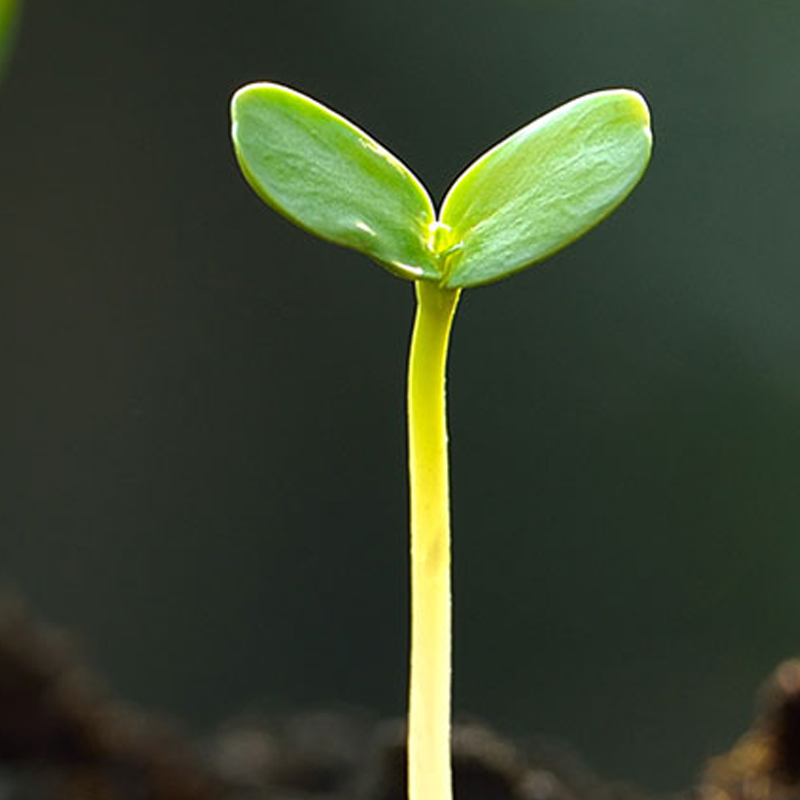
(201, 417)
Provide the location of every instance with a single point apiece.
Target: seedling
(524, 199)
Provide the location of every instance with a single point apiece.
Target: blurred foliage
(8, 20)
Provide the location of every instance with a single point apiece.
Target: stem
(429, 770)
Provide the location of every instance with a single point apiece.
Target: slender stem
(429, 771)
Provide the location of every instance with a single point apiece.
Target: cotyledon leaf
(331, 178)
(544, 186)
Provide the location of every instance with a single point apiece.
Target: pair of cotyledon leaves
(524, 199)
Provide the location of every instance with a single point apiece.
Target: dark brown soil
(63, 736)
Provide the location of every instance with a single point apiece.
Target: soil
(63, 736)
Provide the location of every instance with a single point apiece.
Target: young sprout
(524, 199)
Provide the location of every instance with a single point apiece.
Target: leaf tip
(639, 110)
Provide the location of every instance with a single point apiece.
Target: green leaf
(8, 18)
(544, 186)
(329, 177)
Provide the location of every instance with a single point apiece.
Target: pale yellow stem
(429, 770)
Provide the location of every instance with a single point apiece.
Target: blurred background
(202, 446)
